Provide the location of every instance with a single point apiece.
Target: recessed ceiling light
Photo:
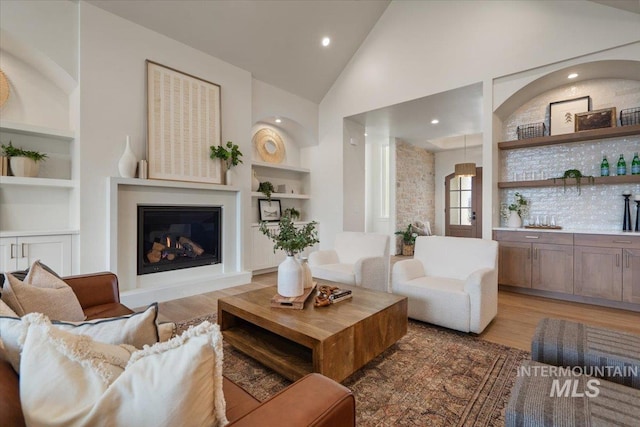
(326, 41)
(435, 121)
(278, 120)
(572, 75)
(365, 134)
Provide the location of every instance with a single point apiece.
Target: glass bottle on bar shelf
(635, 164)
(604, 167)
(622, 166)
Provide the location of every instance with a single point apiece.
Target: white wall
(113, 104)
(354, 176)
(403, 58)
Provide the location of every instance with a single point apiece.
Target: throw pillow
(138, 330)
(42, 292)
(21, 274)
(5, 310)
(178, 382)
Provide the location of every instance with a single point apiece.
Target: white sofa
(451, 282)
(360, 259)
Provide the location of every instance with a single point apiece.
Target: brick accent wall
(415, 186)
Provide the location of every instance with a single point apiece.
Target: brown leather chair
(314, 400)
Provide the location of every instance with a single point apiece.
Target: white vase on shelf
(290, 280)
(514, 220)
(228, 177)
(255, 182)
(127, 163)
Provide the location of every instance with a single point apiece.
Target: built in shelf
(587, 135)
(27, 129)
(171, 184)
(38, 182)
(277, 196)
(280, 167)
(571, 182)
(27, 233)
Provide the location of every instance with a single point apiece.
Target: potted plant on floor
(408, 240)
(24, 163)
(292, 240)
(230, 155)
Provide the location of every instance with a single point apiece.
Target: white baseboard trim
(145, 296)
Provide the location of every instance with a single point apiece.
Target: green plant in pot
(516, 211)
(267, 189)
(408, 240)
(24, 163)
(292, 240)
(229, 154)
(577, 175)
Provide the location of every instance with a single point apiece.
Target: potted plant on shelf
(516, 211)
(292, 240)
(24, 163)
(267, 189)
(408, 240)
(230, 155)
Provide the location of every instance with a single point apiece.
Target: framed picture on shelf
(183, 121)
(269, 210)
(605, 118)
(562, 114)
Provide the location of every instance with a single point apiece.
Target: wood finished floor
(514, 326)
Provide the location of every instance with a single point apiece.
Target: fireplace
(175, 237)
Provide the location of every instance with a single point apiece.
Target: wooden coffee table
(335, 341)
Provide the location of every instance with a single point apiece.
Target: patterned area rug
(431, 377)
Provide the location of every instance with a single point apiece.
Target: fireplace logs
(169, 248)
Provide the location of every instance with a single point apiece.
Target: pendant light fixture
(465, 169)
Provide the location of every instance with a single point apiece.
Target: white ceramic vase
(307, 279)
(228, 177)
(255, 182)
(514, 220)
(127, 163)
(290, 278)
(24, 166)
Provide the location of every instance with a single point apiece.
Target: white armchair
(451, 282)
(360, 259)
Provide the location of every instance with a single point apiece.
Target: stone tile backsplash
(598, 207)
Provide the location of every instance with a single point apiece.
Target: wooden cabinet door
(552, 268)
(514, 264)
(598, 272)
(631, 275)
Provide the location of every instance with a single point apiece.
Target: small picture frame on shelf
(562, 114)
(605, 118)
(270, 210)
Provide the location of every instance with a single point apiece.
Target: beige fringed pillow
(178, 382)
(42, 292)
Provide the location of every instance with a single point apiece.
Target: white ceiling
(279, 42)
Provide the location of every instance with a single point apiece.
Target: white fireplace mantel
(136, 291)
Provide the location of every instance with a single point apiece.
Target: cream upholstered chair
(451, 282)
(357, 258)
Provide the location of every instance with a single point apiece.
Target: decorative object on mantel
(142, 169)
(24, 163)
(637, 200)
(127, 163)
(292, 240)
(255, 182)
(4, 89)
(630, 116)
(531, 130)
(465, 169)
(267, 189)
(626, 221)
(514, 212)
(182, 125)
(605, 118)
(562, 114)
(577, 175)
(230, 155)
(269, 145)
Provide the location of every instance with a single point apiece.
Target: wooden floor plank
(514, 326)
